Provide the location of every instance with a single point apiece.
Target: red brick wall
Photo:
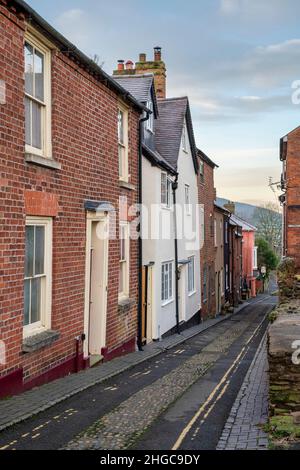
(293, 197)
(248, 250)
(206, 191)
(84, 139)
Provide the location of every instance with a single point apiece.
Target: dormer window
(150, 122)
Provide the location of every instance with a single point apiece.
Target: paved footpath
(244, 427)
(19, 408)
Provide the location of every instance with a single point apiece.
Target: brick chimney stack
(121, 65)
(156, 66)
(157, 54)
(230, 206)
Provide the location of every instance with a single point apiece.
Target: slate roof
(140, 86)
(155, 158)
(242, 223)
(206, 159)
(221, 209)
(168, 129)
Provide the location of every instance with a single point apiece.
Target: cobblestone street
(156, 403)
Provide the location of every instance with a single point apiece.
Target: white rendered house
(169, 166)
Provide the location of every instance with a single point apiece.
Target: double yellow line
(212, 396)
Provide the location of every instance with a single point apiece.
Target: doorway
(181, 293)
(147, 304)
(218, 293)
(96, 286)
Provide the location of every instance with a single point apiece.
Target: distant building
(249, 251)
(221, 240)
(207, 196)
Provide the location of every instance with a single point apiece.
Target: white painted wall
(162, 250)
(187, 176)
(158, 251)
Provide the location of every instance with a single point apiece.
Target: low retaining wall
(284, 344)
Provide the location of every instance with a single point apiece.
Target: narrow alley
(180, 399)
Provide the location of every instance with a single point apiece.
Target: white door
(181, 294)
(96, 285)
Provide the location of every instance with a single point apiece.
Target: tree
(268, 221)
(95, 58)
(266, 256)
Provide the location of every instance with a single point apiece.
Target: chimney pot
(157, 54)
(230, 206)
(129, 65)
(121, 65)
(142, 57)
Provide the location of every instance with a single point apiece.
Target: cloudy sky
(235, 59)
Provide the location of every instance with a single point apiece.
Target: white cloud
(258, 10)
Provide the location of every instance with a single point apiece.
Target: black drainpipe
(174, 188)
(140, 248)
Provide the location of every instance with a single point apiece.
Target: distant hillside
(268, 222)
(245, 211)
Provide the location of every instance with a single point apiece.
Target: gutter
(66, 47)
(174, 188)
(140, 245)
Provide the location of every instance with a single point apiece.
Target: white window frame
(222, 282)
(255, 267)
(187, 199)
(150, 121)
(166, 182)
(46, 150)
(46, 300)
(191, 272)
(167, 283)
(123, 145)
(124, 294)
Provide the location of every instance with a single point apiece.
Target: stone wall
(283, 333)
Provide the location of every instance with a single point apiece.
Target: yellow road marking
(189, 426)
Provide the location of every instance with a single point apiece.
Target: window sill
(42, 161)
(39, 341)
(192, 293)
(164, 304)
(125, 304)
(126, 185)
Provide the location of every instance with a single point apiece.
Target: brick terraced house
(69, 152)
(207, 197)
(290, 199)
